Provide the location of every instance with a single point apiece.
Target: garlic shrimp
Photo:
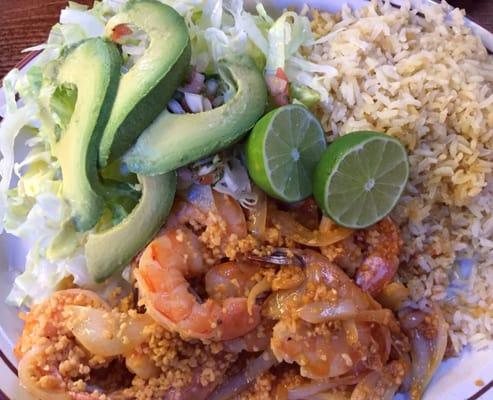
(162, 275)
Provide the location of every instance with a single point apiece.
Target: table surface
(24, 23)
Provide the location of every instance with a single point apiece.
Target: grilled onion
(300, 234)
(238, 383)
(106, 333)
(427, 333)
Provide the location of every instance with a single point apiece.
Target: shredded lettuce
(34, 210)
(224, 27)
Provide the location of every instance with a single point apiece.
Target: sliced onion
(298, 233)
(218, 101)
(426, 353)
(319, 312)
(322, 311)
(194, 102)
(258, 215)
(261, 287)
(238, 383)
(412, 319)
(106, 333)
(393, 295)
(319, 386)
(206, 104)
(26, 378)
(352, 335)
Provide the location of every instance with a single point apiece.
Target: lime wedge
(360, 178)
(283, 150)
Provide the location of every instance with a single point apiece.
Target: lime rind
(293, 143)
(348, 170)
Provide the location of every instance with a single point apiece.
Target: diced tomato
(278, 87)
(281, 74)
(206, 179)
(119, 31)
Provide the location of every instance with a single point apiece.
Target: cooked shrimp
(325, 283)
(370, 255)
(224, 208)
(42, 326)
(382, 257)
(325, 324)
(230, 279)
(322, 354)
(254, 341)
(46, 342)
(164, 268)
(232, 214)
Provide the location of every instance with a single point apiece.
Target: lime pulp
(360, 178)
(283, 150)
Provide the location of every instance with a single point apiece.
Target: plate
(455, 380)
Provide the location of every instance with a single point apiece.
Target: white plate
(455, 379)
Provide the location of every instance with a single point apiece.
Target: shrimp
(325, 283)
(254, 341)
(44, 319)
(325, 325)
(162, 275)
(323, 354)
(224, 208)
(370, 255)
(230, 279)
(47, 342)
(382, 259)
(218, 222)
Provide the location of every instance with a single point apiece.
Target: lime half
(360, 178)
(283, 150)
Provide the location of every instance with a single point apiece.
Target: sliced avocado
(174, 140)
(147, 87)
(109, 251)
(91, 70)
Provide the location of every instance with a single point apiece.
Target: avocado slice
(174, 140)
(108, 251)
(92, 70)
(148, 86)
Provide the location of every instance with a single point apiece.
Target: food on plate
(90, 71)
(360, 178)
(150, 82)
(249, 207)
(282, 152)
(112, 249)
(174, 140)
